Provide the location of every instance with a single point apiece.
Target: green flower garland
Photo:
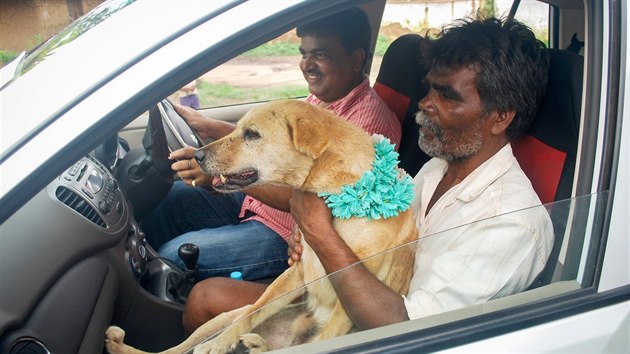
(382, 192)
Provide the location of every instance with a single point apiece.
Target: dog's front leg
(115, 336)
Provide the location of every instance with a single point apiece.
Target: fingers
(295, 254)
(190, 115)
(189, 165)
(294, 251)
(182, 154)
(183, 111)
(185, 165)
(187, 168)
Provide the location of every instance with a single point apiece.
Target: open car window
(577, 226)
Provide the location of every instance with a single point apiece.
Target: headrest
(547, 152)
(399, 84)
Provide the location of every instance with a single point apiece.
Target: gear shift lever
(189, 254)
(178, 285)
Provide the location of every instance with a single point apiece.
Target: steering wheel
(146, 173)
(178, 133)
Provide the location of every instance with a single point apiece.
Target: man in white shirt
(489, 256)
(486, 80)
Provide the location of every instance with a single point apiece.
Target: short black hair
(511, 65)
(350, 26)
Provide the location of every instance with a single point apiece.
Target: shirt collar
(481, 178)
(486, 174)
(346, 102)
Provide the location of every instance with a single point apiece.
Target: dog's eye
(251, 134)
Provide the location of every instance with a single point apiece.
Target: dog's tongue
(216, 180)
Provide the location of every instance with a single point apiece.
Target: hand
(195, 120)
(188, 169)
(204, 126)
(311, 214)
(295, 246)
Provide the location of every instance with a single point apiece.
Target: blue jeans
(210, 220)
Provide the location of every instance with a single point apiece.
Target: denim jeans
(210, 220)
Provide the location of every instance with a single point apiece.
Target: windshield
(577, 228)
(70, 33)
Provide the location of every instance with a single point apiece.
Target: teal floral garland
(382, 192)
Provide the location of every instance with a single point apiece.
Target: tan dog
(297, 144)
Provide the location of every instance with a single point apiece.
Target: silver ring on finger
(194, 184)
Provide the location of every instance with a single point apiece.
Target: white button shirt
(456, 265)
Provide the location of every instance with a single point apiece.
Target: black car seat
(400, 84)
(547, 152)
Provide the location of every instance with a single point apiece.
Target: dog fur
(297, 144)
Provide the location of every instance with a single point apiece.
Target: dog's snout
(199, 155)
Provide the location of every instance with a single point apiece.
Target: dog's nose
(199, 155)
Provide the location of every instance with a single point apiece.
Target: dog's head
(274, 143)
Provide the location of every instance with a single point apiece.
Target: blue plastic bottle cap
(236, 275)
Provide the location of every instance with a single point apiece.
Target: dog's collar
(382, 192)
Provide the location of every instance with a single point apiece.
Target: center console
(90, 189)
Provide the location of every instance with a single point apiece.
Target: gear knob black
(189, 254)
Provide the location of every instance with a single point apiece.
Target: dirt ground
(265, 72)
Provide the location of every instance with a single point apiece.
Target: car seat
(400, 84)
(547, 152)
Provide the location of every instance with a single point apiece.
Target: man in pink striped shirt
(248, 232)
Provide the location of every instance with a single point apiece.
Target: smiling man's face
(330, 70)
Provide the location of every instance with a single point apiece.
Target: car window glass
(70, 33)
(577, 223)
(428, 17)
(267, 72)
(535, 14)
(270, 71)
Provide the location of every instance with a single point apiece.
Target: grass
(6, 56)
(382, 43)
(290, 48)
(274, 49)
(212, 95)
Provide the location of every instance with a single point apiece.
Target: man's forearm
(368, 302)
(217, 129)
(275, 196)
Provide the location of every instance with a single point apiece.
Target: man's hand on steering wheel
(206, 128)
(188, 169)
(194, 119)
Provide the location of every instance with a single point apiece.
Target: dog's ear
(309, 135)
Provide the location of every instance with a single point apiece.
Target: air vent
(28, 345)
(80, 205)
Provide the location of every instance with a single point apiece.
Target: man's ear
(502, 122)
(309, 135)
(359, 58)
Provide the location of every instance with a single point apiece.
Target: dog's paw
(210, 347)
(114, 337)
(250, 343)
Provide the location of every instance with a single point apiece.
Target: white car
(73, 259)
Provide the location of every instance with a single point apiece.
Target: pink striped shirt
(362, 107)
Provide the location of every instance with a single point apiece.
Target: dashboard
(78, 259)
